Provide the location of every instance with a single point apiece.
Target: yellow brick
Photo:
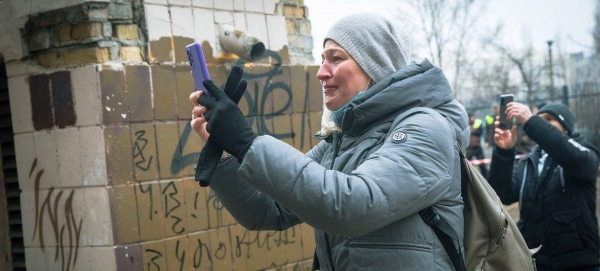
(64, 33)
(85, 55)
(297, 12)
(127, 31)
(46, 60)
(131, 53)
(86, 30)
(290, 25)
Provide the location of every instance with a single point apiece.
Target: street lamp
(550, 69)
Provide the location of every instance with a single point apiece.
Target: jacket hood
(417, 85)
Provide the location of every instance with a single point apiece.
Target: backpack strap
(447, 236)
(444, 231)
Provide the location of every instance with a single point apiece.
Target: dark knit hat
(379, 46)
(562, 113)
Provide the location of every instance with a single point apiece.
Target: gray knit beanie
(379, 46)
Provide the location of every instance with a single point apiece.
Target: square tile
(277, 32)
(220, 244)
(178, 254)
(204, 28)
(169, 150)
(255, 6)
(62, 99)
(150, 208)
(239, 21)
(270, 6)
(165, 92)
(191, 145)
(25, 157)
(154, 255)
(315, 94)
(86, 89)
(183, 31)
(239, 5)
(301, 131)
(145, 156)
(174, 206)
(257, 26)
(119, 155)
(124, 214)
(137, 79)
(114, 96)
(20, 100)
(196, 205)
(69, 173)
(158, 22)
(203, 3)
(41, 102)
(200, 250)
(93, 156)
(185, 3)
(98, 230)
(129, 257)
(45, 152)
(103, 259)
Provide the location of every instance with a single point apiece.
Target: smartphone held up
(505, 122)
(198, 66)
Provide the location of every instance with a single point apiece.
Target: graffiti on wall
(257, 99)
(142, 162)
(68, 226)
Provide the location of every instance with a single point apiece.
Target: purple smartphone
(198, 66)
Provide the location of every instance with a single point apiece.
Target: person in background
(362, 186)
(474, 149)
(490, 127)
(555, 185)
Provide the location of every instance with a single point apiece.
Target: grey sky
(570, 21)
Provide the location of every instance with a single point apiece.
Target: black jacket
(558, 207)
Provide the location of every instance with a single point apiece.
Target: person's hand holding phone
(198, 122)
(519, 111)
(504, 138)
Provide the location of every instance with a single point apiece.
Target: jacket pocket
(370, 254)
(563, 234)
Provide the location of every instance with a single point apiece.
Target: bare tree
(529, 69)
(448, 29)
(596, 30)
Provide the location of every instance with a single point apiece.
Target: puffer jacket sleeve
(399, 179)
(251, 208)
(578, 161)
(502, 178)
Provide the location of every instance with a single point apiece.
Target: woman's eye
(337, 59)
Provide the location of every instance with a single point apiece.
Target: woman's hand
(198, 122)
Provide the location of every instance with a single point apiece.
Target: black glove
(226, 123)
(209, 157)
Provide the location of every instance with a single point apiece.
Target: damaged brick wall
(105, 152)
(92, 32)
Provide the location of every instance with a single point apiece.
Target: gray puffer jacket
(361, 187)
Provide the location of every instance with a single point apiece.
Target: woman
(376, 167)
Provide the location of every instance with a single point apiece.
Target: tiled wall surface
(105, 153)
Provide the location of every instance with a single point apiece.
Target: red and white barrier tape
(489, 160)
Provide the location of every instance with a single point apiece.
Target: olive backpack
(492, 241)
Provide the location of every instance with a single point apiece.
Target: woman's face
(340, 76)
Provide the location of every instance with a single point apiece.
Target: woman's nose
(324, 73)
